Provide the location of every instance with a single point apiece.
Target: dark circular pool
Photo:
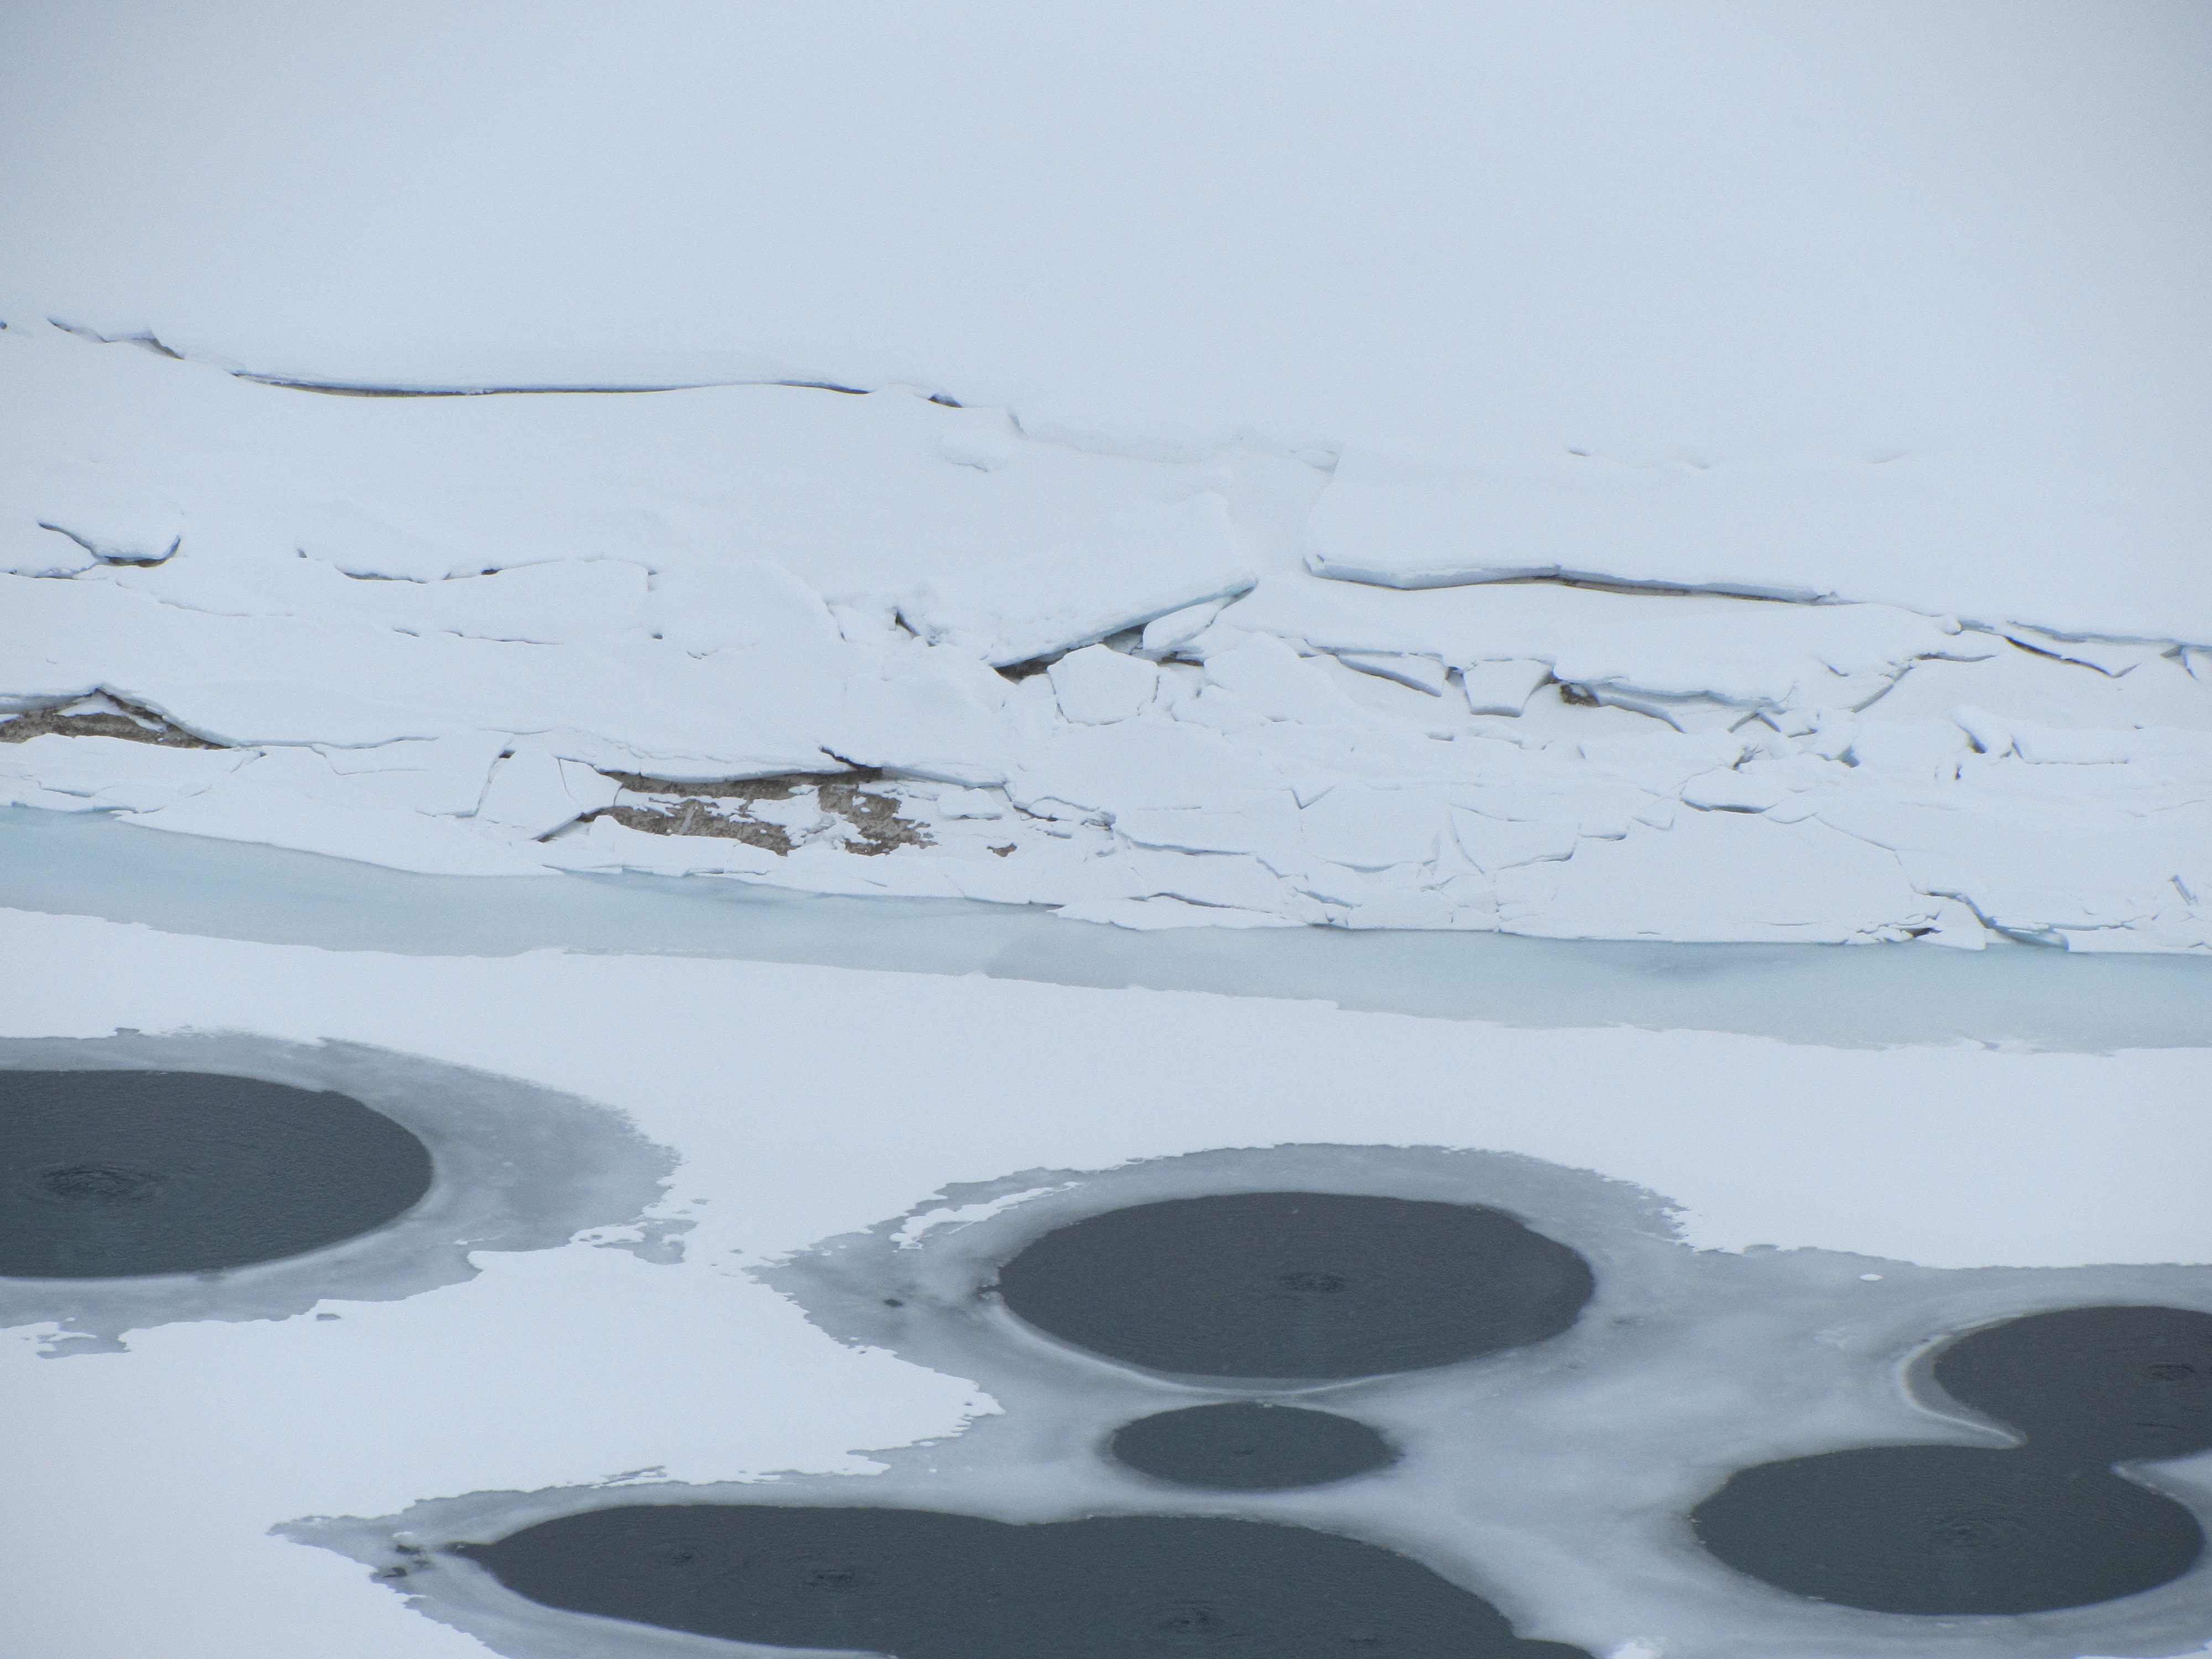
(1946, 1530)
(918, 1584)
(1249, 1446)
(115, 1173)
(1304, 1286)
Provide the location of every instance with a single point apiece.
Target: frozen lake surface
(800, 1323)
(1130, 922)
(2008, 994)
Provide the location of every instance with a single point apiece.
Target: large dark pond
(1296, 1285)
(921, 1585)
(1968, 1529)
(112, 1174)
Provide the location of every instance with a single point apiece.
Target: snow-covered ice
(1413, 416)
(494, 634)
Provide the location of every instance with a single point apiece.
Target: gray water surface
(2013, 995)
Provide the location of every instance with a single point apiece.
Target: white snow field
(1698, 471)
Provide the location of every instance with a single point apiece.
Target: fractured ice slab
(1164, 635)
(65, 516)
(1750, 654)
(1805, 883)
(295, 798)
(374, 600)
(1734, 791)
(1124, 574)
(540, 603)
(1094, 686)
(104, 772)
(1503, 688)
(1263, 676)
(1421, 673)
(1902, 529)
(1397, 521)
(536, 792)
(705, 606)
(444, 776)
(1732, 320)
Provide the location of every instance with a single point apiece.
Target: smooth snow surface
(2010, 995)
(930, 1123)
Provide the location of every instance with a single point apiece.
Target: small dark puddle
(1246, 1446)
(916, 1584)
(1296, 1285)
(116, 1174)
(1962, 1530)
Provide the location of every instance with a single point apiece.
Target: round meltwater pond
(2049, 1524)
(924, 1585)
(1249, 1446)
(1296, 1285)
(121, 1174)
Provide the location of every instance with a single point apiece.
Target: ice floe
(875, 644)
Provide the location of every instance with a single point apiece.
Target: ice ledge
(498, 374)
(1954, 534)
(1412, 576)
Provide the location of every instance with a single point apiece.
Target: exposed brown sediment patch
(723, 807)
(697, 818)
(874, 816)
(124, 720)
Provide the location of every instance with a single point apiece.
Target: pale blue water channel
(90, 864)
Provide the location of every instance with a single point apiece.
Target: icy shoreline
(2015, 997)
